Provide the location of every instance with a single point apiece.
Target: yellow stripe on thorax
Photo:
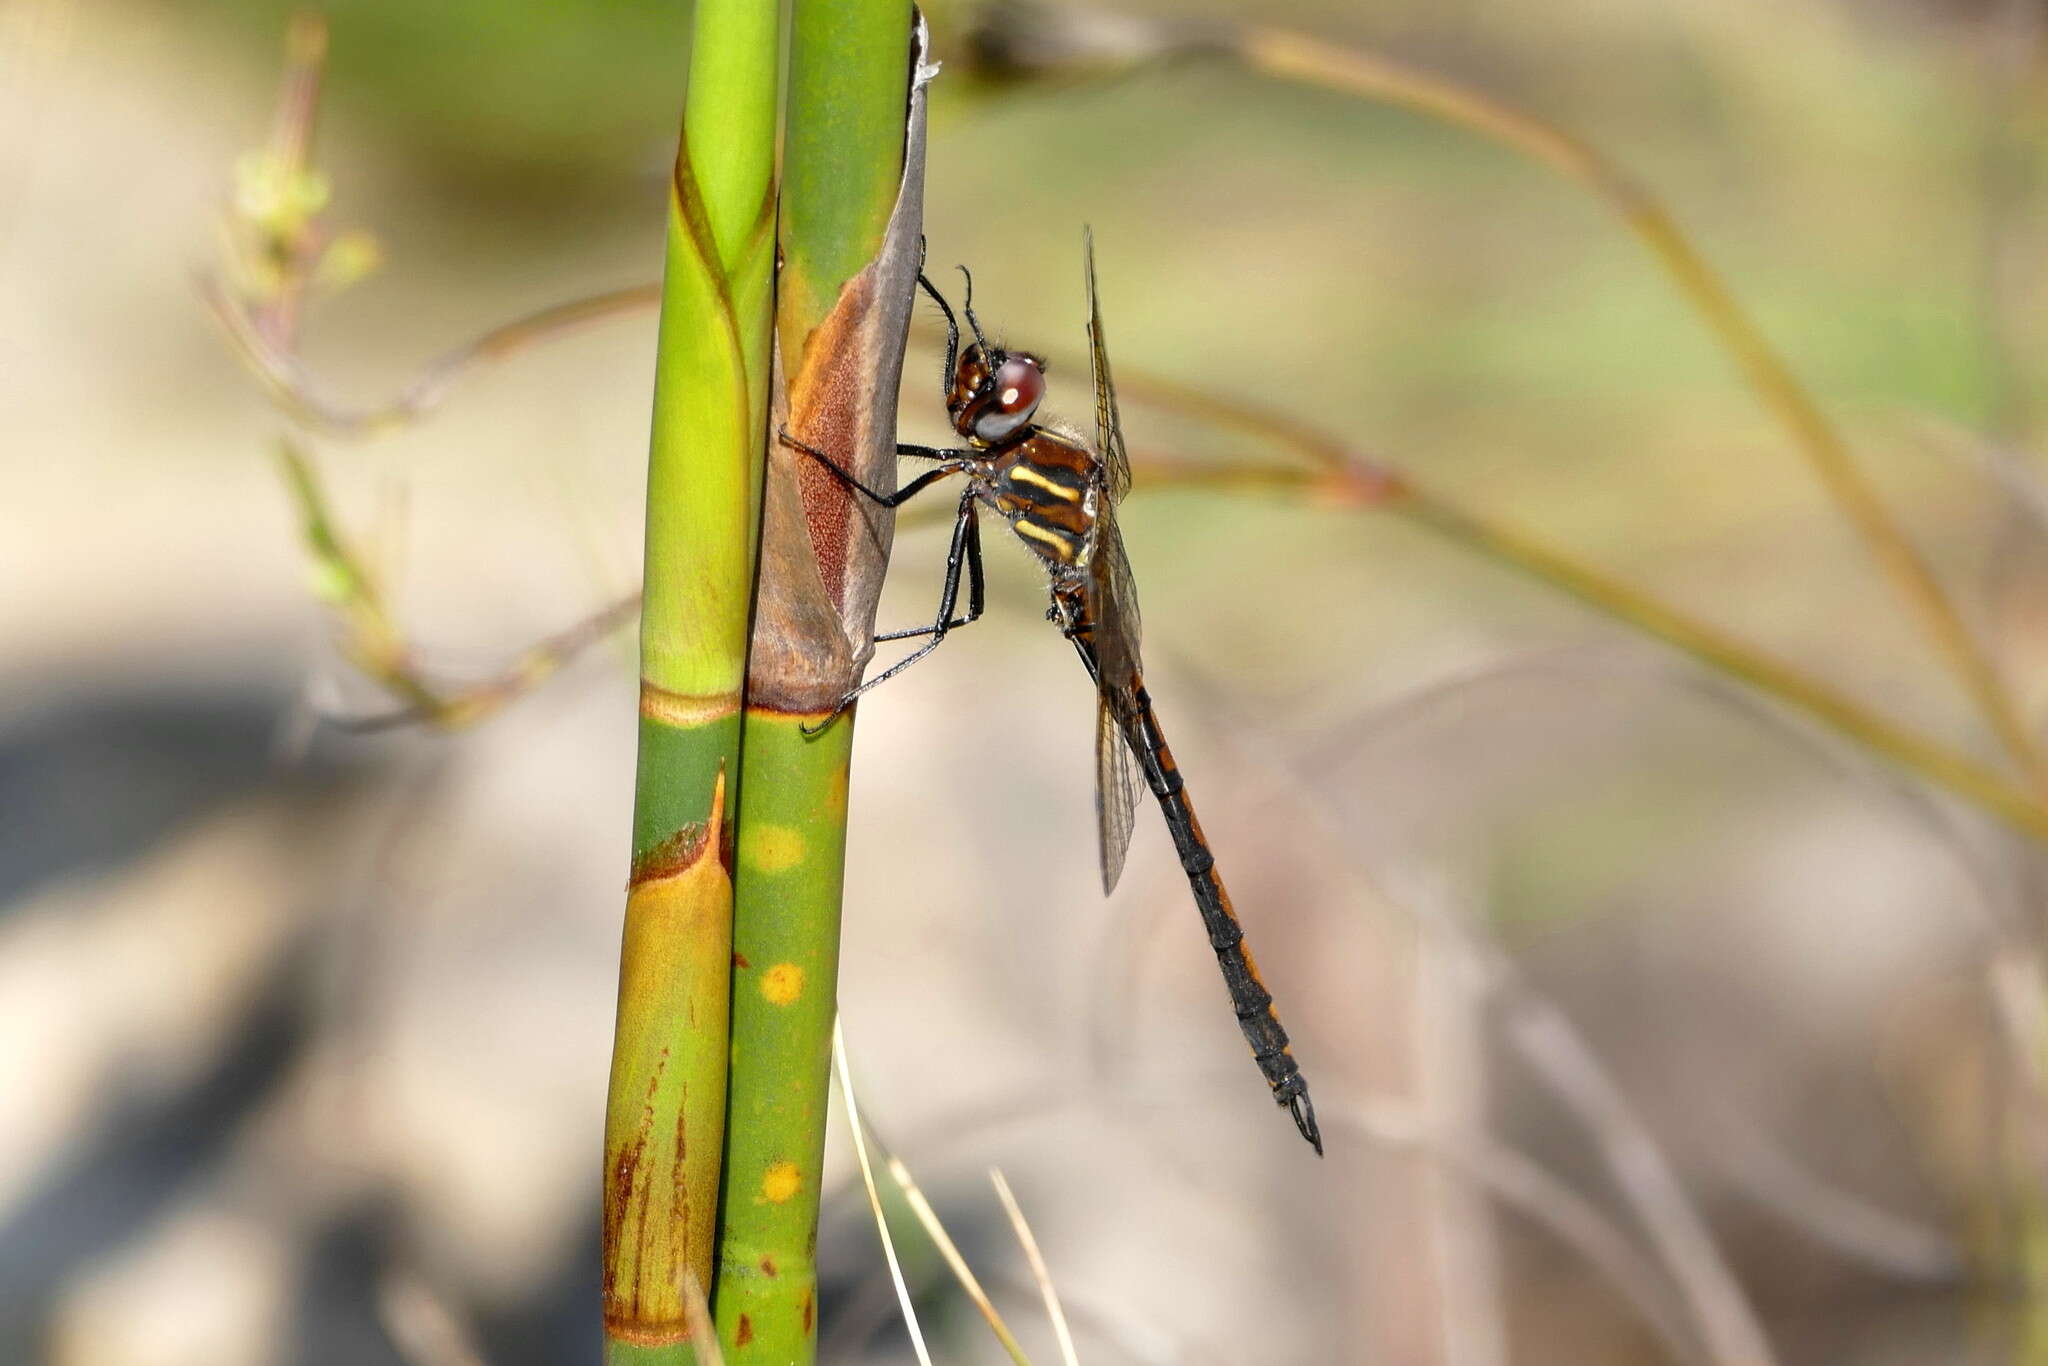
(1062, 550)
(1025, 474)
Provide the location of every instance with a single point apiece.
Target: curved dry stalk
(456, 708)
(1026, 38)
(1039, 1274)
(284, 374)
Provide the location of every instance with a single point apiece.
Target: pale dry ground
(272, 1031)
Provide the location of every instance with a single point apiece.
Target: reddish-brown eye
(1019, 385)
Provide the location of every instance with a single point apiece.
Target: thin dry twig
(1339, 475)
(1448, 1007)
(867, 1176)
(295, 390)
(1039, 1274)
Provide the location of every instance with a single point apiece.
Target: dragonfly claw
(813, 732)
(1304, 1112)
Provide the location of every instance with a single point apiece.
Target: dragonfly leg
(952, 325)
(963, 555)
(934, 452)
(954, 462)
(976, 591)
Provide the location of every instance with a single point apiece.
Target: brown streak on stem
(679, 1187)
(687, 846)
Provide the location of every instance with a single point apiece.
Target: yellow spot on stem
(781, 1181)
(771, 848)
(782, 983)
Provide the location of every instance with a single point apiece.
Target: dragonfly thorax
(1048, 487)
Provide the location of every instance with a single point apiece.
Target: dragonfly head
(994, 392)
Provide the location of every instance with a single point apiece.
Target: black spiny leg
(975, 592)
(964, 553)
(950, 463)
(952, 328)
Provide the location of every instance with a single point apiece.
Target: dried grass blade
(867, 1176)
(1038, 1269)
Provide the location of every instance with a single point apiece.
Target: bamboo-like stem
(665, 1121)
(785, 969)
(844, 166)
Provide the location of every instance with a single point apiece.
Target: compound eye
(1013, 396)
(1020, 383)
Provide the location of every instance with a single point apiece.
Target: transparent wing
(1109, 428)
(1117, 783)
(1113, 643)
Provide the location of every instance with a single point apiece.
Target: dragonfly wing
(1112, 611)
(1116, 792)
(1109, 428)
(1113, 642)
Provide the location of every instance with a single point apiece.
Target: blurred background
(1649, 1021)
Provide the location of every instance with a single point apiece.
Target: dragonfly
(1059, 495)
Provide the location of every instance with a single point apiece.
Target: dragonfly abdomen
(1249, 998)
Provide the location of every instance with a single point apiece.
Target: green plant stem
(1300, 57)
(848, 69)
(785, 987)
(665, 1120)
(843, 164)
